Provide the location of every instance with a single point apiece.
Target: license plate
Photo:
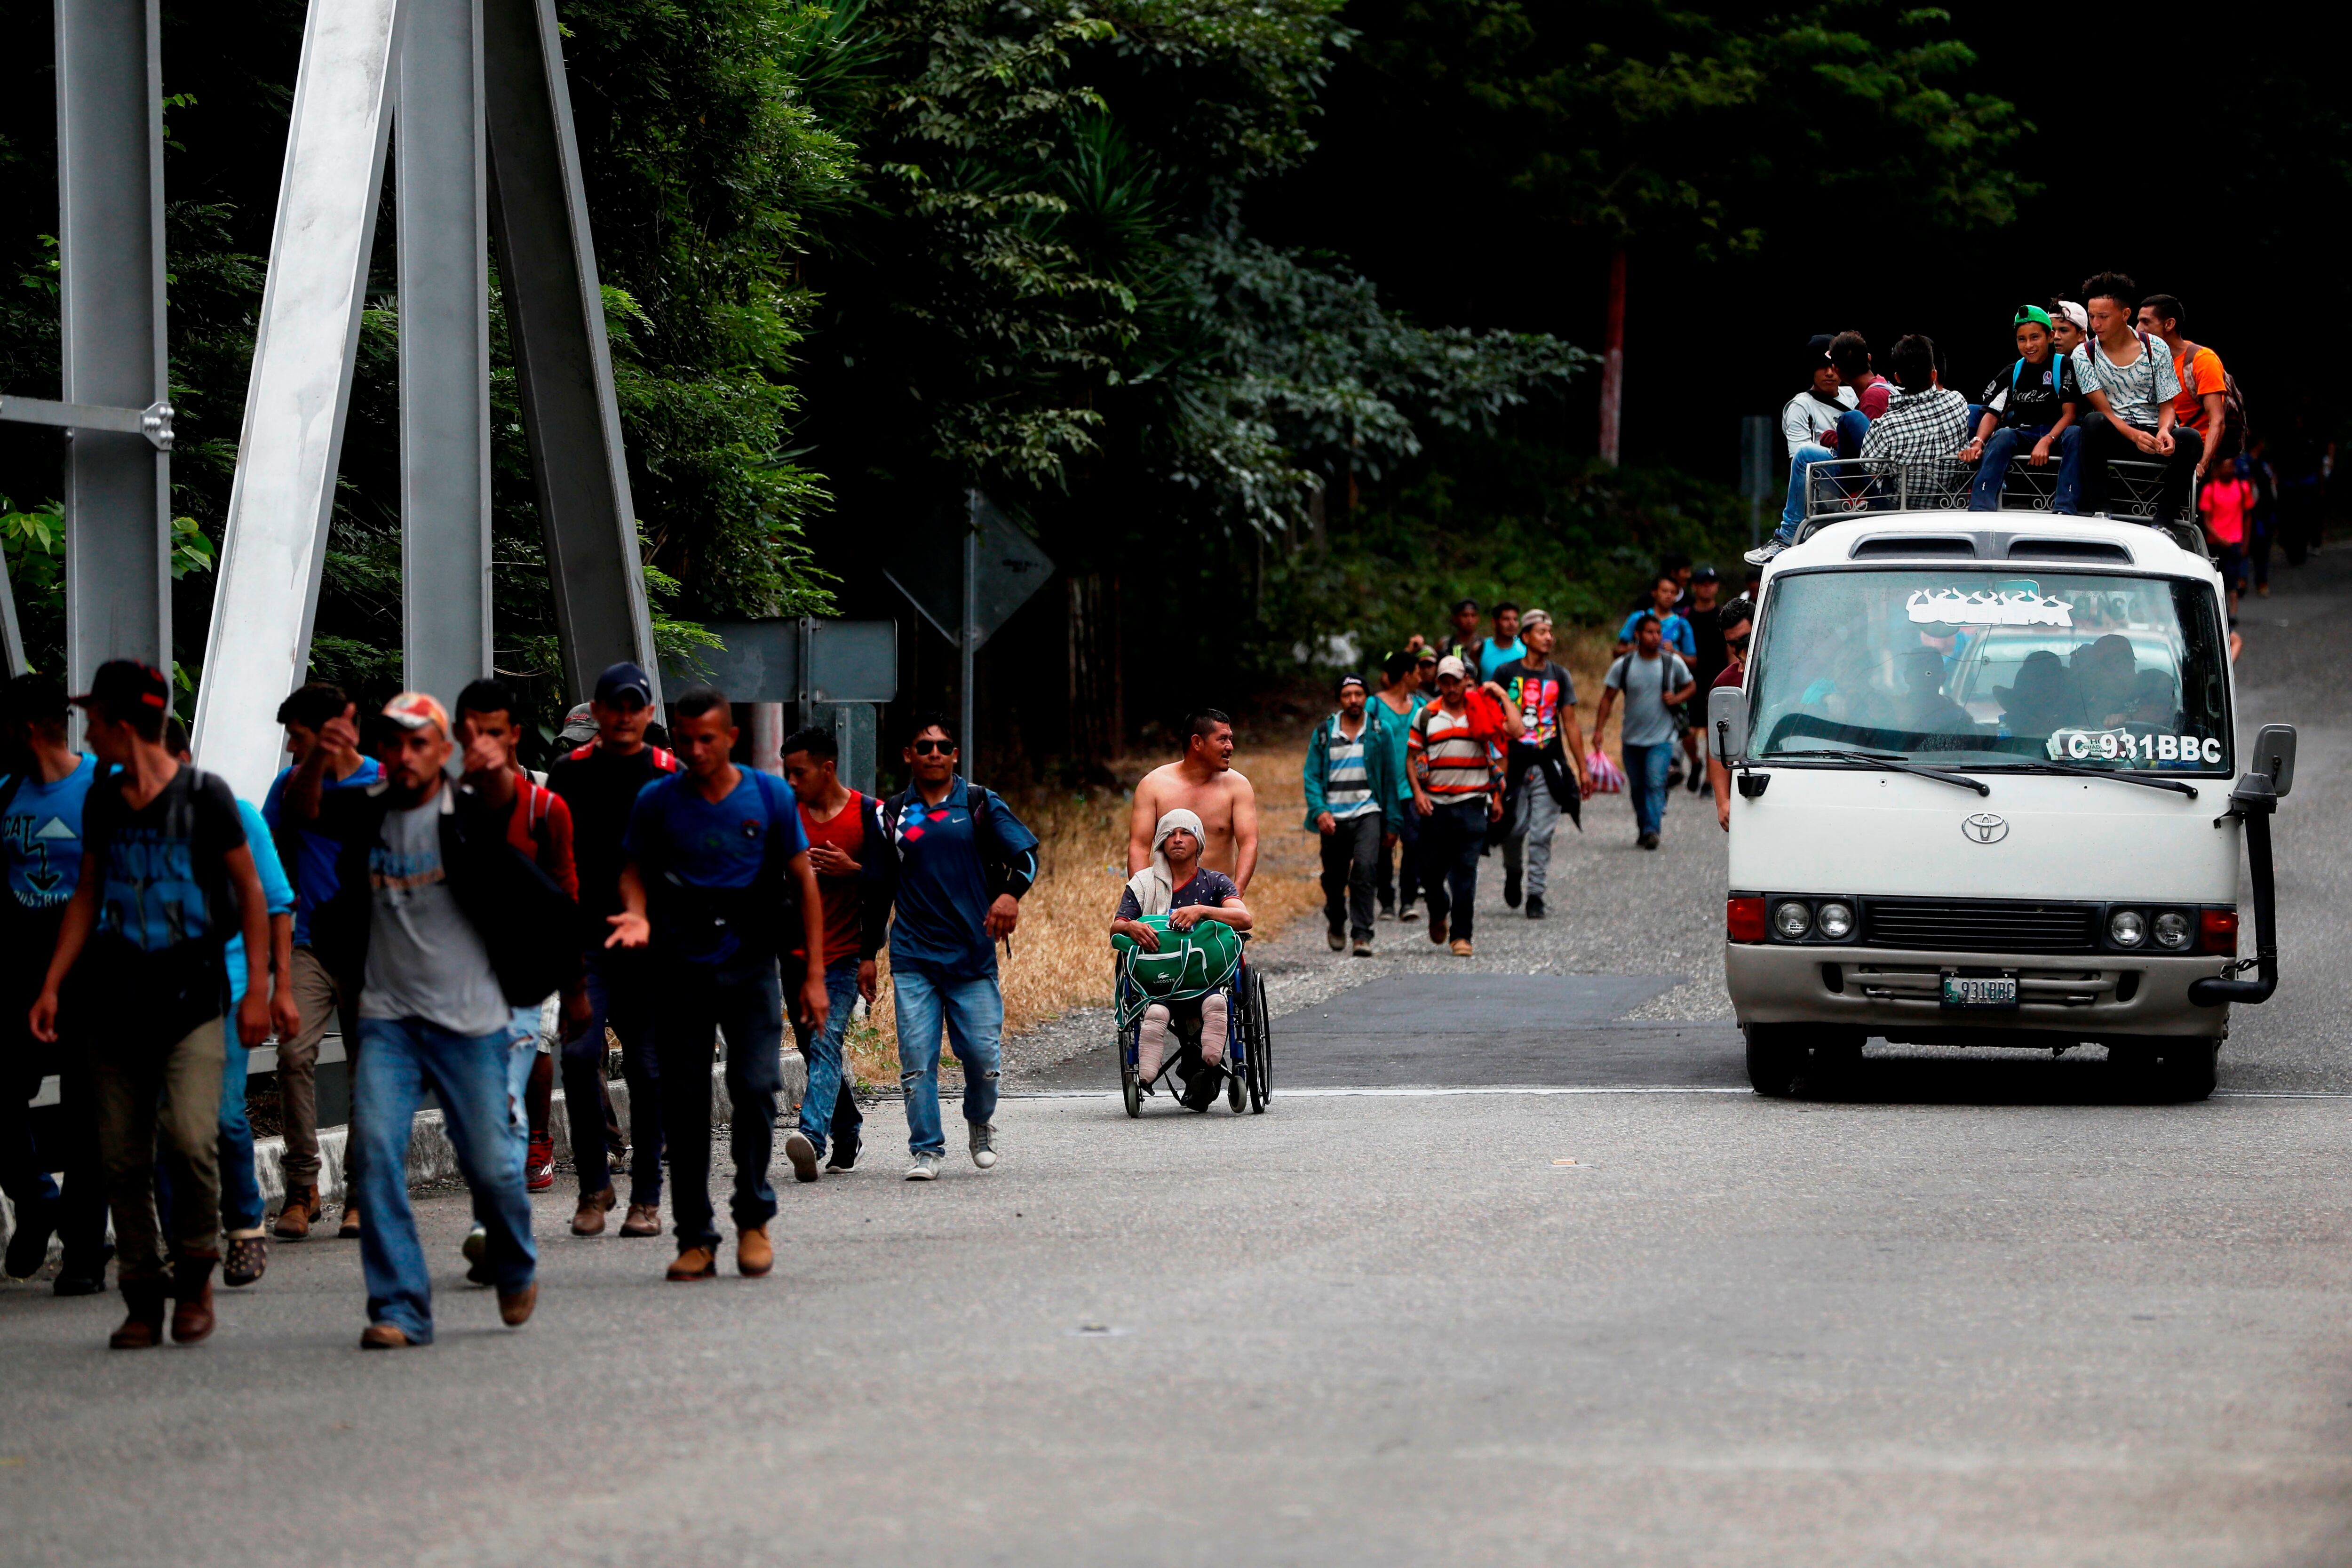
(1979, 990)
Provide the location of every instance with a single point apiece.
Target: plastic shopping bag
(1608, 778)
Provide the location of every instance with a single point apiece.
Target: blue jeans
(743, 999)
(974, 1013)
(1792, 511)
(240, 1187)
(829, 1108)
(1645, 783)
(399, 1059)
(619, 995)
(2005, 444)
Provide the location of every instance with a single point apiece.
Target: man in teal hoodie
(1351, 800)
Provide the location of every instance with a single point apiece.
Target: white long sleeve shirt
(1807, 419)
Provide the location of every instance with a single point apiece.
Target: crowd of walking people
(1470, 746)
(465, 926)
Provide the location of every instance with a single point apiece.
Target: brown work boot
(383, 1337)
(300, 1211)
(753, 1256)
(191, 1289)
(695, 1263)
(514, 1306)
(588, 1220)
(643, 1219)
(349, 1229)
(142, 1326)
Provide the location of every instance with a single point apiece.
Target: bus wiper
(1899, 766)
(2176, 785)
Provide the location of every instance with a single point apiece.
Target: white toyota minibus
(1984, 769)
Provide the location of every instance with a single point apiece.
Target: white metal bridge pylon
(485, 143)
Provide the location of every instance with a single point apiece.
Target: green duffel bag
(1189, 964)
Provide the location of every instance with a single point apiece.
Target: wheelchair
(1247, 1072)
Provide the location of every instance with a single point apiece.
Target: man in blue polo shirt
(309, 856)
(717, 859)
(963, 861)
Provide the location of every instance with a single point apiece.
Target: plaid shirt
(1922, 431)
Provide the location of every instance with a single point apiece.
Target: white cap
(1453, 667)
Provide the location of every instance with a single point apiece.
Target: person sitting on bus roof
(1924, 424)
(2034, 404)
(1808, 428)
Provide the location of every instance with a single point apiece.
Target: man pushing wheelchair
(1176, 966)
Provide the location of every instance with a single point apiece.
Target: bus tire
(1776, 1059)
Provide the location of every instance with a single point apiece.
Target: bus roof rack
(1849, 490)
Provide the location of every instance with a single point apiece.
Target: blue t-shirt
(1493, 655)
(943, 884)
(1673, 630)
(41, 838)
(673, 831)
(313, 871)
(276, 893)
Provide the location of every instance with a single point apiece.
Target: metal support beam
(298, 395)
(555, 316)
(118, 487)
(444, 349)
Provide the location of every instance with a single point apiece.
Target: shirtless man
(1204, 783)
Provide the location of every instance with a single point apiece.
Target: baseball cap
(2074, 312)
(619, 681)
(1535, 619)
(1451, 665)
(1426, 656)
(2033, 314)
(1707, 574)
(414, 709)
(123, 684)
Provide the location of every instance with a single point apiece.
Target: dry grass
(1061, 954)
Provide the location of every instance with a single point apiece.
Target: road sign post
(967, 576)
(1755, 471)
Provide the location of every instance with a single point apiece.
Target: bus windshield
(1986, 668)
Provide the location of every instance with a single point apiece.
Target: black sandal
(245, 1261)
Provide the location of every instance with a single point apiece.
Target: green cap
(2033, 314)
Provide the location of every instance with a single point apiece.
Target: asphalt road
(1514, 1270)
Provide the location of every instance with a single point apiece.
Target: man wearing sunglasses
(1738, 620)
(961, 862)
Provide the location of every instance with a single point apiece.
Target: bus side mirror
(2275, 755)
(1726, 724)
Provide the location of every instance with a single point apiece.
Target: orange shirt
(2199, 372)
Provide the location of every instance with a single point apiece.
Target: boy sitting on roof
(2035, 404)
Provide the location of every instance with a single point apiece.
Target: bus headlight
(2173, 930)
(1836, 920)
(2127, 928)
(1792, 921)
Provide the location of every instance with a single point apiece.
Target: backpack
(2231, 440)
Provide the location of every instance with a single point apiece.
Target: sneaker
(1408, 912)
(844, 1155)
(1388, 909)
(539, 1163)
(1437, 930)
(477, 1242)
(28, 1244)
(1363, 947)
(984, 1145)
(924, 1167)
(1461, 948)
(1338, 937)
(1535, 906)
(801, 1153)
(1647, 840)
(84, 1275)
(1510, 887)
(1765, 551)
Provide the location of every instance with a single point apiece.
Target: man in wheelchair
(1178, 886)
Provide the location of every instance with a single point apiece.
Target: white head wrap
(1153, 888)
